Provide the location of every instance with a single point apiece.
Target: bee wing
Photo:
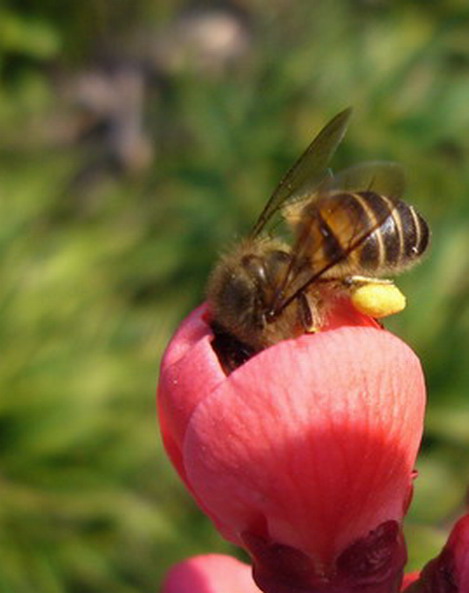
(308, 171)
(383, 177)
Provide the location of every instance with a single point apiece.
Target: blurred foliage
(138, 140)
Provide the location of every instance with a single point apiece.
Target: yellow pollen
(378, 299)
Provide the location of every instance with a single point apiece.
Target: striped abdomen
(363, 232)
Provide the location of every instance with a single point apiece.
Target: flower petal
(189, 372)
(312, 442)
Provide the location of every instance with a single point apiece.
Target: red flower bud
(213, 573)
(304, 454)
(449, 571)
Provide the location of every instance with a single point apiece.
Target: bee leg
(356, 281)
(305, 314)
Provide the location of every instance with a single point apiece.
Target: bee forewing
(308, 171)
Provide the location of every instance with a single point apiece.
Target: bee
(349, 232)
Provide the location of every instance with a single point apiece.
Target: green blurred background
(138, 138)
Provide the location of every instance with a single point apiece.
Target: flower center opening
(230, 352)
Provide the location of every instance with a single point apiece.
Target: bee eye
(256, 268)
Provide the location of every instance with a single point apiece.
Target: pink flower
(449, 571)
(303, 455)
(213, 573)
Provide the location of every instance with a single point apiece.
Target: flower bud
(304, 454)
(211, 573)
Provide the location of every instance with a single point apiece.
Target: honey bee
(349, 231)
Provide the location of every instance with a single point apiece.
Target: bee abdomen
(397, 235)
(403, 236)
